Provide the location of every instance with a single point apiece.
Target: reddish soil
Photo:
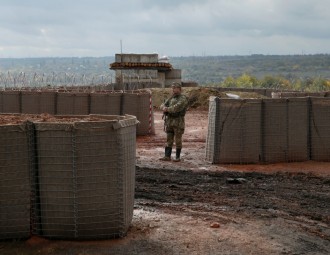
(14, 119)
(194, 207)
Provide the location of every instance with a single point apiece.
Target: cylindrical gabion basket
(86, 177)
(15, 190)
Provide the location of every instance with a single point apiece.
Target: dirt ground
(194, 207)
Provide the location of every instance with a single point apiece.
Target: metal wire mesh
(319, 129)
(268, 130)
(274, 131)
(14, 182)
(212, 138)
(236, 131)
(68, 180)
(10, 101)
(145, 114)
(86, 174)
(76, 103)
(298, 129)
(285, 130)
(106, 103)
(130, 104)
(88, 101)
(36, 102)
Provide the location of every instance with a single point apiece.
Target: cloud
(215, 27)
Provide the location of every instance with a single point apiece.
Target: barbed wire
(38, 80)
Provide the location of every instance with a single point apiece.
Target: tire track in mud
(302, 199)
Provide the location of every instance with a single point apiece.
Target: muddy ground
(193, 207)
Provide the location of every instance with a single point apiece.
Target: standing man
(174, 110)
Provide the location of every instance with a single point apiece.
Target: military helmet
(176, 85)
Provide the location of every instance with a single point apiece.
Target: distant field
(202, 69)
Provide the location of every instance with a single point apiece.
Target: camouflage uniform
(174, 121)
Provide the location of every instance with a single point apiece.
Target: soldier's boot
(168, 152)
(177, 156)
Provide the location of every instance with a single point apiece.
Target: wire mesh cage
(319, 129)
(106, 103)
(145, 114)
(268, 130)
(10, 101)
(298, 129)
(81, 101)
(285, 130)
(234, 131)
(35, 102)
(85, 174)
(14, 182)
(130, 103)
(67, 177)
(72, 103)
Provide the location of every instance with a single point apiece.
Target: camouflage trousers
(174, 134)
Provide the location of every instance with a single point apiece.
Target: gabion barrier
(285, 130)
(70, 102)
(261, 91)
(68, 177)
(15, 188)
(234, 128)
(106, 103)
(130, 104)
(146, 120)
(319, 129)
(298, 94)
(140, 105)
(36, 102)
(298, 123)
(268, 130)
(10, 101)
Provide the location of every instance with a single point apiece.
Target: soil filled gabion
(80, 172)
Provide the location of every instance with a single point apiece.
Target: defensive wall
(69, 177)
(244, 131)
(72, 102)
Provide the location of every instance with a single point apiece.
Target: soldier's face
(176, 90)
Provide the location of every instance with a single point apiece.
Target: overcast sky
(79, 28)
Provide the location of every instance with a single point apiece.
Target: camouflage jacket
(177, 106)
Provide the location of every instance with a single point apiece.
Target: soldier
(174, 110)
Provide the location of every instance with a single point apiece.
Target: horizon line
(186, 56)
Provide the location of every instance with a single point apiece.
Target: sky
(99, 28)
